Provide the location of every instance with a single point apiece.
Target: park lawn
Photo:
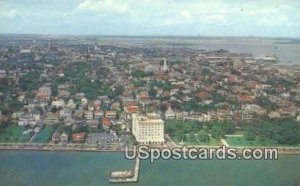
(25, 138)
(13, 134)
(238, 141)
(211, 142)
(238, 132)
(241, 141)
(44, 136)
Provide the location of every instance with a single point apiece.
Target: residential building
(98, 114)
(64, 137)
(78, 137)
(106, 123)
(111, 114)
(56, 137)
(51, 118)
(170, 114)
(88, 115)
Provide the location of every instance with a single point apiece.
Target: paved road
(234, 135)
(170, 142)
(224, 142)
(30, 141)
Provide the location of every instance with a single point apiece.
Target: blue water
(87, 168)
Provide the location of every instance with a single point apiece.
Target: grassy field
(44, 135)
(241, 141)
(13, 134)
(211, 142)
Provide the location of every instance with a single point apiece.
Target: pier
(125, 176)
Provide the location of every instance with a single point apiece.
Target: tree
(192, 137)
(217, 97)
(228, 127)
(287, 132)
(81, 128)
(117, 92)
(264, 102)
(139, 83)
(141, 74)
(217, 132)
(203, 137)
(249, 136)
(282, 131)
(64, 128)
(152, 93)
(30, 81)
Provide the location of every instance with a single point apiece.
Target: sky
(267, 18)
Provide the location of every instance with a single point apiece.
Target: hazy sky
(152, 17)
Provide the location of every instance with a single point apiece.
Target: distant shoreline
(148, 36)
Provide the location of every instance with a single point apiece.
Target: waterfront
(287, 50)
(92, 168)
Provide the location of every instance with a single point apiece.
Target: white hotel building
(148, 129)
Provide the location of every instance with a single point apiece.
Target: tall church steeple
(165, 67)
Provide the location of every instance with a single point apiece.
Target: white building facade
(148, 129)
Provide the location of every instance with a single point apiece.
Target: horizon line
(171, 35)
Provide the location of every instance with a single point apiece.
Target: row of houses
(64, 137)
(219, 115)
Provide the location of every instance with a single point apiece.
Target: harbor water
(93, 168)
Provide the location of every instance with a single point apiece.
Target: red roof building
(246, 98)
(131, 109)
(78, 137)
(106, 123)
(203, 95)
